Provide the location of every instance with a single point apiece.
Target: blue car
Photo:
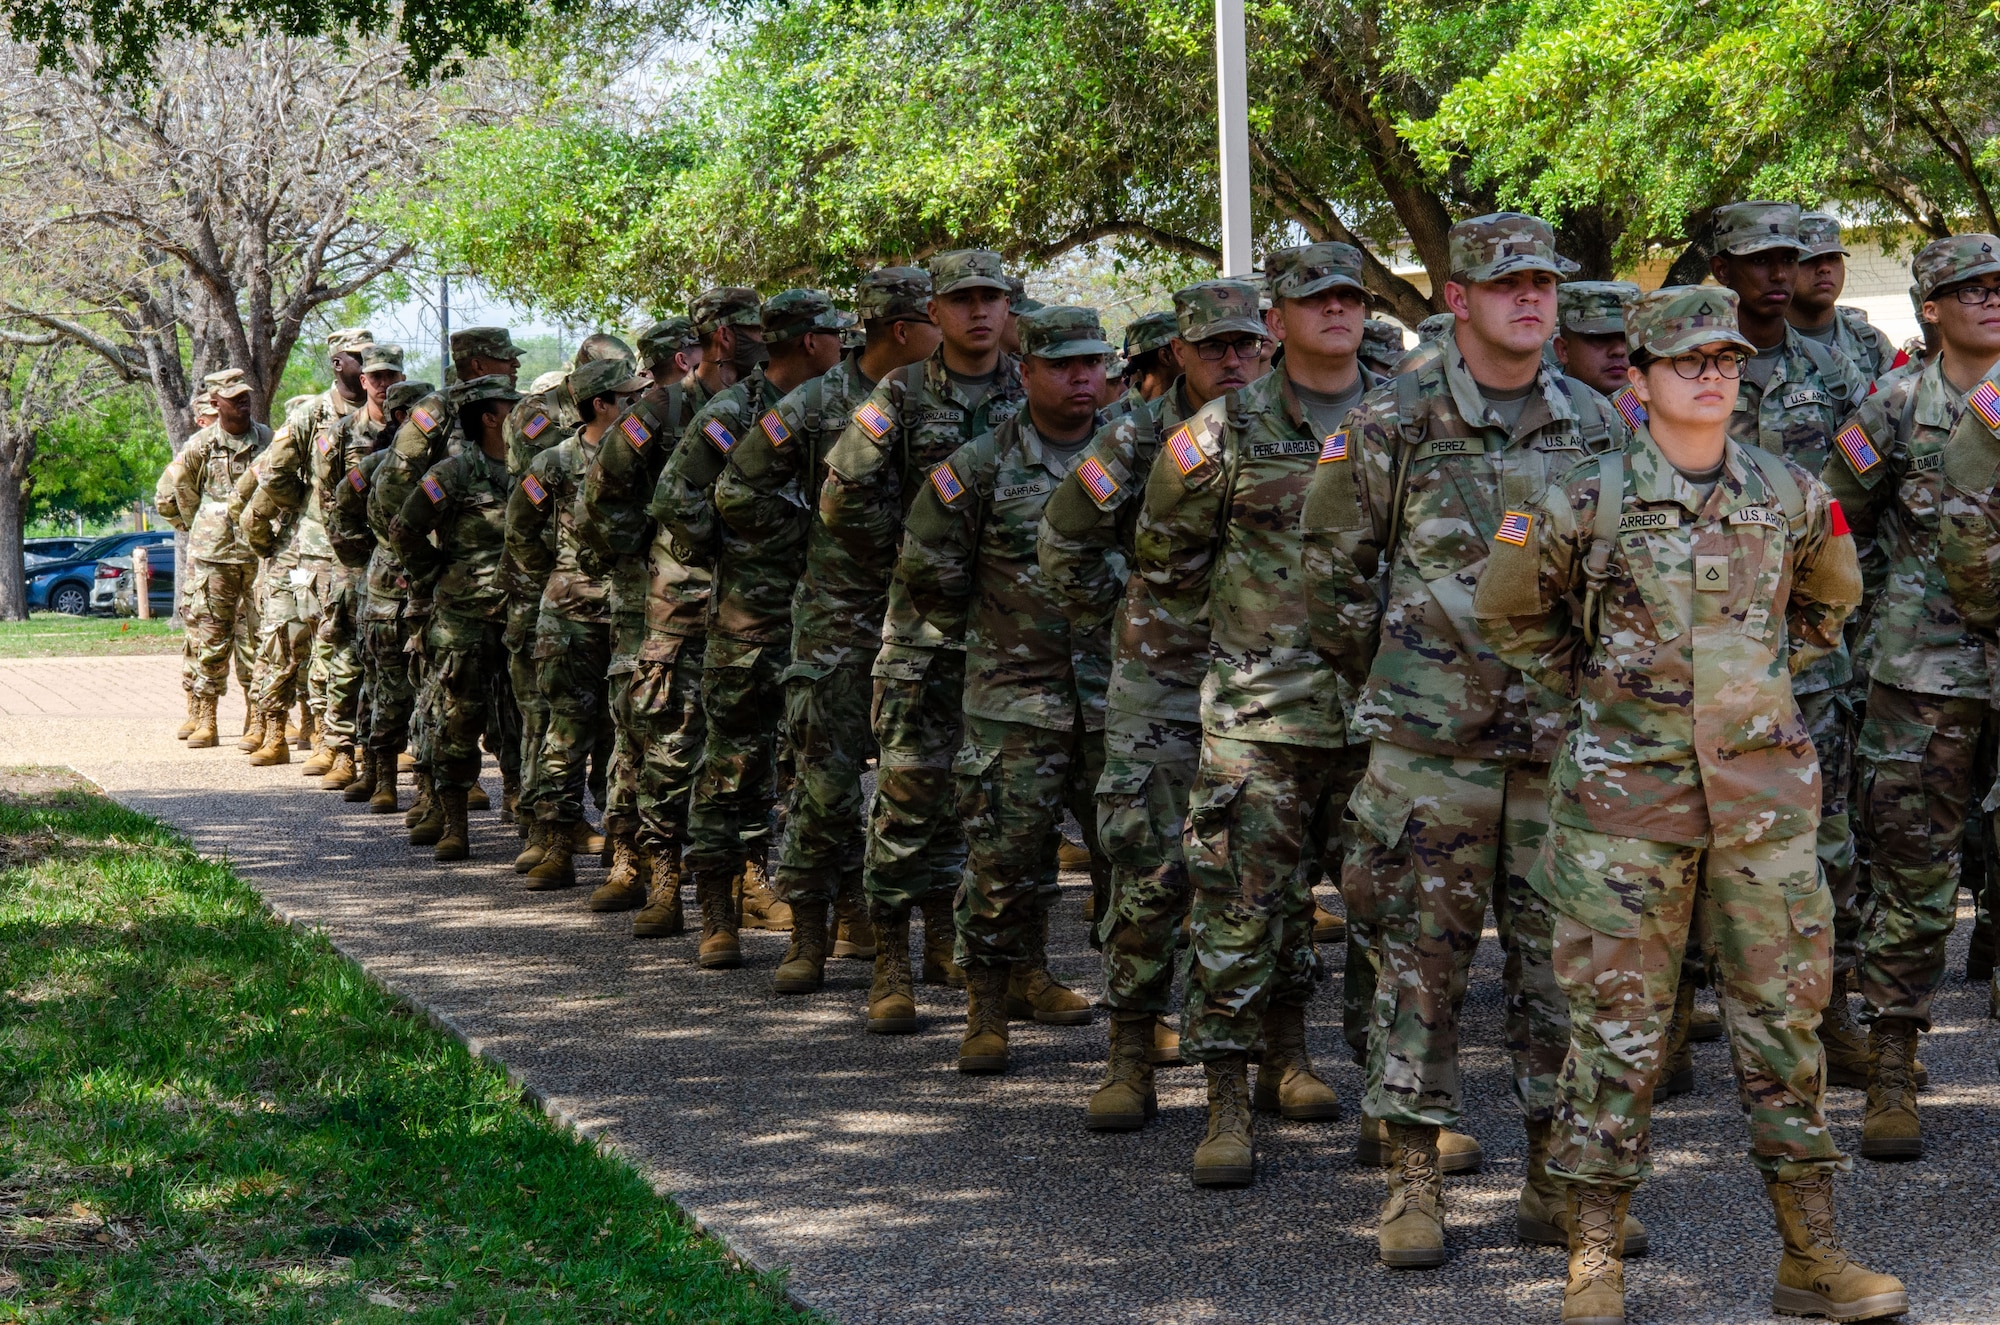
(65, 585)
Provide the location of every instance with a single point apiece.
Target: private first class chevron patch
(872, 420)
(1860, 452)
(1514, 527)
(774, 428)
(533, 487)
(1334, 447)
(635, 432)
(1626, 402)
(433, 489)
(725, 440)
(1985, 402)
(1096, 479)
(946, 482)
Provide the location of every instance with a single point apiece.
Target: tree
(98, 460)
(42, 379)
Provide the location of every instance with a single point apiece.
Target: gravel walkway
(896, 1190)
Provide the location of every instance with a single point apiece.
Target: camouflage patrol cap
(1819, 232)
(662, 340)
(901, 293)
(202, 400)
(1676, 318)
(1752, 227)
(1020, 301)
(602, 377)
(1952, 260)
(1485, 248)
(969, 269)
(1062, 332)
(384, 358)
(1435, 327)
(1218, 308)
(349, 340)
(479, 390)
(405, 394)
(1300, 273)
(548, 381)
(1381, 338)
(790, 314)
(1594, 308)
(602, 345)
(486, 342)
(1150, 332)
(226, 383)
(725, 306)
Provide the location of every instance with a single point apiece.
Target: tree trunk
(1587, 237)
(13, 571)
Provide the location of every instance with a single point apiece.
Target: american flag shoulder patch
(1333, 448)
(946, 482)
(1626, 402)
(433, 489)
(324, 442)
(423, 418)
(725, 440)
(774, 428)
(533, 487)
(873, 419)
(1860, 452)
(535, 426)
(635, 432)
(1514, 527)
(1187, 453)
(357, 480)
(1985, 402)
(1096, 480)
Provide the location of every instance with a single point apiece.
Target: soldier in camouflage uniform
(1152, 723)
(1034, 692)
(1814, 311)
(836, 628)
(914, 418)
(284, 596)
(220, 565)
(1381, 346)
(1453, 806)
(461, 503)
(1590, 332)
(1686, 782)
(753, 544)
(1150, 367)
(1217, 534)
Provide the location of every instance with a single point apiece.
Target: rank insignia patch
(1514, 527)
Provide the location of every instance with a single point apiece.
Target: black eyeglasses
(1976, 294)
(1212, 351)
(1694, 367)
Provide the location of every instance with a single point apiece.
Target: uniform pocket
(978, 794)
(1382, 812)
(1213, 808)
(1811, 907)
(1576, 875)
(1891, 756)
(1129, 824)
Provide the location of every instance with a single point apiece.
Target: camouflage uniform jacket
(621, 536)
(1969, 523)
(293, 477)
(426, 437)
(968, 559)
(1857, 338)
(1218, 532)
(752, 543)
(463, 502)
(1428, 681)
(352, 537)
(914, 418)
(1795, 415)
(835, 611)
(211, 463)
(1888, 475)
(1687, 730)
(356, 437)
(1086, 555)
(166, 495)
(549, 498)
(538, 421)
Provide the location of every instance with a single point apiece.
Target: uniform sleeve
(1864, 494)
(1175, 541)
(683, 504)
(1078, 546)
(394, 478)
(1826, 579)
(527, 562)
(1339, 546)
(941, 537)
(166, 495)
(860, 501)
(193, 462)
(422, 514)
(1969, 524)
(347, 528)
(1523, 604)
(287, 471)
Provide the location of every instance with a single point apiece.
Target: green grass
(213, 1117)
(54, 635)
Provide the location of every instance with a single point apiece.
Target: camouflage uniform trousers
(1768, 918)
(1142, 798)
(668, 732)
(915, 845)
(729, 811)
(291, 611)
(826, 727)
(223, 617)
(534, 710)
(1014, 782)
(467, 696)
(571, 662)
(1432, 842)
(337, 658)
(1830, 720)
(621, 806)
(1917, 755)
(1259, 812)
(391, 681)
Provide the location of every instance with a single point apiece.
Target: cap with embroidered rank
(1218, 308)
(1953, 260)
(1062, 332)
(1485, 248)
(1819, 233)
(970, 269)
(1743, 228)
(382, 358)
(1594, 308)
(1309, 269)
(1677, 318)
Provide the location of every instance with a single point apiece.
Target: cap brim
(1596, 326)
(1320, 286)
(1961, 277)
(1695, 339)
(1243, 326)
(1073, 349)
(1763, 244)
(229, 392)
(1493, 271)
(974, 283)
(1822, 251)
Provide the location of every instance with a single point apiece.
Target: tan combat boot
(661, 916)
(253, 728)
(308, 730)
(557, 867)
(510, 795)
(319, 765)
(422, 805)
(1126, 1101)
(1286, 1083)
(584, 840)
(203, 736)
(1227, 1155)
(1457, 1152)
(803, 969)
(1328, 927)
(341, 773)
(984, 1048)
(427, 830)
(1036, 995)
(383, 799)
(273, 751)
(182, 732)
(1595, 1294)
(853, 935)
(362, 789)
(1166, 1050)
(715, 893)
(892, 994)
(630, 881)
(537, 847)
(1542, 1216)
(1890, 1129)
(1411, 1236)
(1677, 1070)
(476, 798)
(761, 907)
(1849, 1062)
(940, 941)
(405, 762)
(454, 837)
(1816, 1278)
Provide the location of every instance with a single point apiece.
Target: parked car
(70, 585)
(41, 550)
(124, 588)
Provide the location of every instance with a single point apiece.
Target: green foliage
(96, 461)
(213, 1116)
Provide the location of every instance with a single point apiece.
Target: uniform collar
(1655, 480)
(1031, 444)
(1939, 403)
(1549, 404)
